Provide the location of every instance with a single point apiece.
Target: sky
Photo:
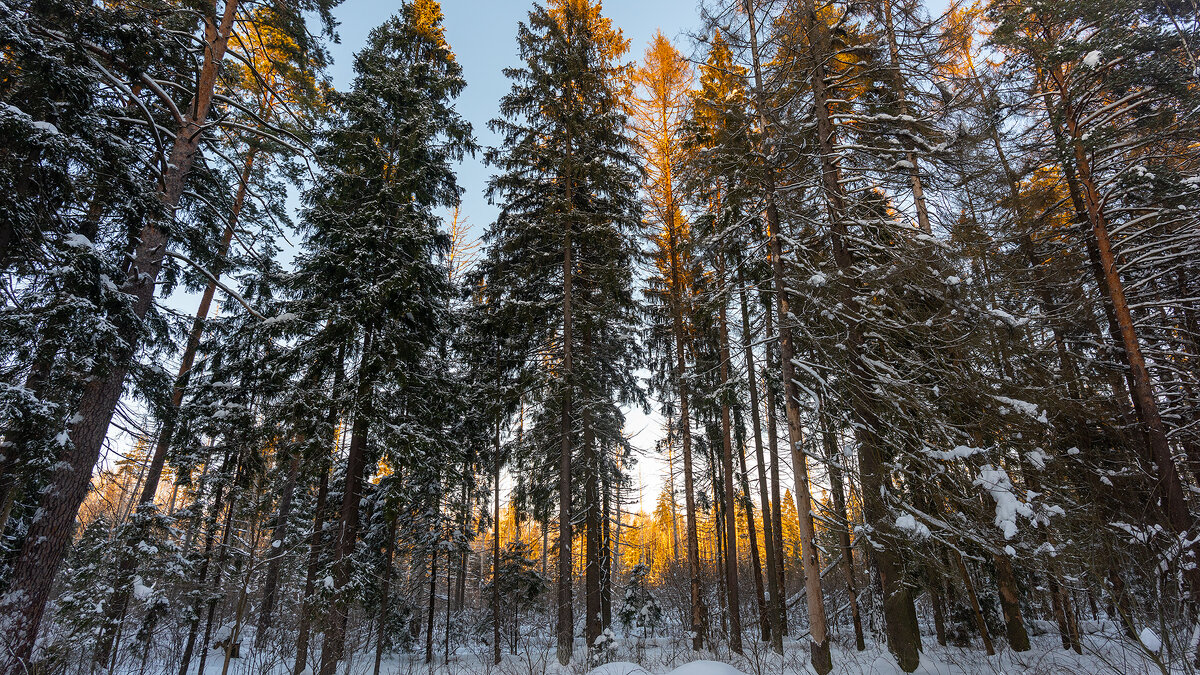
(482, 34)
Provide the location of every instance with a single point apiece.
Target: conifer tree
(372, 275)
(560, 259)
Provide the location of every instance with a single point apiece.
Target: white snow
(286, 316)
(76, 240)
(140, 590)
(1150, 640)
(619, 668)
(998, 484)
(1023, 407)
(706, 668)
(1037, 457)
(1092, 59)
(959, 452)
(907, 522)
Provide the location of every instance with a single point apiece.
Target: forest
(910, 292)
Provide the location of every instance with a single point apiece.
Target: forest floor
(1105, 652)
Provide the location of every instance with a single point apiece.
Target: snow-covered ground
(1104, 653)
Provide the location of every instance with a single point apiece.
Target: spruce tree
(560, 259)
(371, 278)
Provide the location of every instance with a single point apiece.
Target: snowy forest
(910, 291)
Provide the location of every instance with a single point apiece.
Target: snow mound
(619, 668)
(706, 668)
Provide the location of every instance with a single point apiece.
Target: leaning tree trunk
(821, 660)
(46, 542)
(1145, 398)
(903, 635)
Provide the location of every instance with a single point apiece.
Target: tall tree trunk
(333, 648)
(699, 618)
(496, 547)
(304, 629)
(1170, 485)
(838, 490)
(386, 591)
(606, 553)
(821, 660)
(591, 508)
(774, 631)
(48, 536)
(279, 533)
(731, 536)
(764, 615)
(433, 560)
(566, 617)
(772, 406)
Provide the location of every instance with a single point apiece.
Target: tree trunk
(591, 508)
(979, 622)
(764, 618)
(606, 554)
(333, 648)
(316, 544)
(821, 660)
(271, 582)
(838, 490)
(1010, 604)
(731, 536)
(776, 493)
(218, 594)
(900, 615)
(1170, 486)
(699, 618)
(566, 618)
(496, 548)
(774, 630)
(48, 537)
(385, 591)
(202, 574)
(433, 558)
